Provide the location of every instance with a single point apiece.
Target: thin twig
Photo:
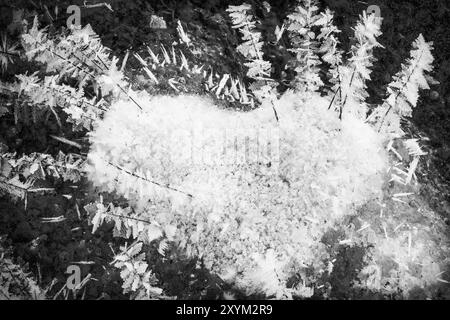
(339, 89)
(148, 180)
(346, 96)
(126, 217)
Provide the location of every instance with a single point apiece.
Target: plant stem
(148, 180)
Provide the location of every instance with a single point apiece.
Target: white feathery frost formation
(251, 48)
(403, 91)
(356, 71)
(301, 24)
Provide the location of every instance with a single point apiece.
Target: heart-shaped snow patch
(250, 195)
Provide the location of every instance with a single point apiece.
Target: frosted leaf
(404, 89)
